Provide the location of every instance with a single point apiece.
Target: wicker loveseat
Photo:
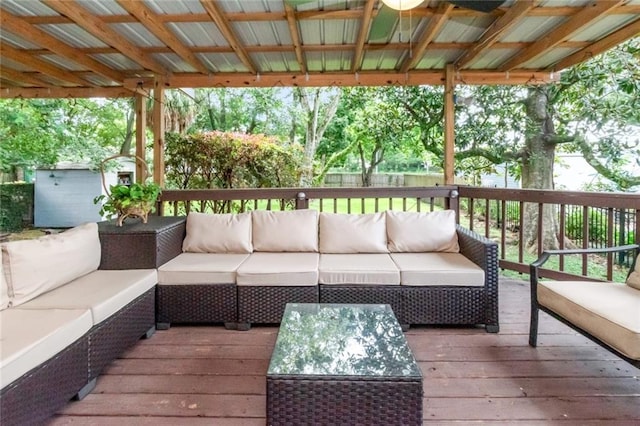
(243, 268)
(63, 320)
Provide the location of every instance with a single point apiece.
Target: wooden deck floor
(209, 375)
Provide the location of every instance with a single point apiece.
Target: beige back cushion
(634, 278)
(37, 266)
(353, 233)
(414, 232)
(285, 231)
(218, 233)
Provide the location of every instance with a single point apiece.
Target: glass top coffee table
(342, 364)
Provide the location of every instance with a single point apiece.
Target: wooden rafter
(22, 78)
(513, 16)
(150, 20)
(96, 26)
(413, 78)
(64, 92)
(585, 17)
(20, 27)
(295, 36)
(365, 26)
(222, 23)
(620, 36)
(430, 32)
(628, 9)
(42, 66)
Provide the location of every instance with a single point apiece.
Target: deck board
(209, 375)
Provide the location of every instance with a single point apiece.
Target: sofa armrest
(484, 253)
(479, 249)
(534, 267)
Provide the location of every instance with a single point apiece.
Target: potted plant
(134, 200)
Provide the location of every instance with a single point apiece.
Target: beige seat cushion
(33, 267)
(30, 337)
(634, 278)
(103, 292)
(358, 268)
(608, 311)
(218, 233)
(423, 269)
(285, 231)
(201, 268)
(353, 233)
(419, 232)
(279, 269)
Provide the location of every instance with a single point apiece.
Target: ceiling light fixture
(402, 4)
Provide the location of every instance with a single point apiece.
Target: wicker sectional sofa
(63, 320)
(243, 268)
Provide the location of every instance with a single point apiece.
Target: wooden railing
(583, 219)
(342, 200)
(496, 213)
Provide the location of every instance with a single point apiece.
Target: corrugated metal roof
(258, 38)
(198, 34)
(72, 35)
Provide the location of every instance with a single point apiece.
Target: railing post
(453, 203)
(302, 202)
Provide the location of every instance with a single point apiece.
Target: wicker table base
(342, 365)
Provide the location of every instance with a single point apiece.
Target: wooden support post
(449, 122)
(158, 131)
(141, 135)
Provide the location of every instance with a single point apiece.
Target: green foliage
(230, 160)
(16, 201)
(36, 132)
(123, 197)
(598, 228)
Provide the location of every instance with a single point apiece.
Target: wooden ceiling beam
(365, 27)
(430, 32)
(579, 20)
(514, 15)
(150, 20)
(412, 78)
(627, 32)
(20, 27)
(628, 9)
(22, 78)
(313, 48)
(64, 92)
(41, 65)
(295, 36)
(222, 23)
(96, 26)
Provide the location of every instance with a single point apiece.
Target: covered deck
(192, 375)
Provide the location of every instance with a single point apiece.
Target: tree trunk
(537, 169)
(319, 111)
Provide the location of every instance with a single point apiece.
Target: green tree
(38, 133)
(250, 110)
(319, 106)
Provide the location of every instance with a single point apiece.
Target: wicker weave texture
(365, 294)
(484, 253)
(141, 246)
(197, 303)
(119, 332)
(444, 305)
(37, 395)
(340, 401)
(266, 304)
